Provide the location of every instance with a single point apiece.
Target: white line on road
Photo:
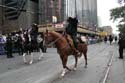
(108, 68)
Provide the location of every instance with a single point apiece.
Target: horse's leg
(64, 62)
(31, 61)
(85, 56)
(41, 54)
(76, 60)
(63, 72)
(24, 58)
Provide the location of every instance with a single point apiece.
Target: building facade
(50, 8)
(84, 10)
(26, 12)
(108, 30)
(18, 14)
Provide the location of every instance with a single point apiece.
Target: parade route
(48, 70)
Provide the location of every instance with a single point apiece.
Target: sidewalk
(117, 71)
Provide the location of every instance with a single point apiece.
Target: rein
(54, 41)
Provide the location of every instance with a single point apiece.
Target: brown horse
(64, 49)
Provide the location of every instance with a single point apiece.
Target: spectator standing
(105, 39)
(121, 44)
(8, 46)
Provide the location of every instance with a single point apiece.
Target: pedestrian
(105, 39)
(121, 44)
(116, 39)
(110, 39)
(8, 46)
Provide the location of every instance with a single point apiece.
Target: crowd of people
(19, 42)
(120, 41)
(110, 38)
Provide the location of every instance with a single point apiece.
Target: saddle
(69, 40)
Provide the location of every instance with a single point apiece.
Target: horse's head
(48, 37)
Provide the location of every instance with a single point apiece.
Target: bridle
(54, 41)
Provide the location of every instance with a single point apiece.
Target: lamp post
(67, 4)
(53, 13)
(2, 19)
(95, 26)
(75, 9)
(82, 13)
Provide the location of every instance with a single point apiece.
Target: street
(49, 69)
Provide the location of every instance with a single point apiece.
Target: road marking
(108, 68)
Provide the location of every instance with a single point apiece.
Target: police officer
(9, 46)
(121, 44)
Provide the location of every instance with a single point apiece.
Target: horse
(64, 49)
(29, 46)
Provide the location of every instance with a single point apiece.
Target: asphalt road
(48, 70)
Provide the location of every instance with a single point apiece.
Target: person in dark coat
(71, 29)
(116, 38)
(8, 46)
(121, 44)
(20, 44)
(110, 39)
(34, 34)
(105, 39)
(34, 31)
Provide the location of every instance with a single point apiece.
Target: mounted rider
(34, 31)
(71, 29)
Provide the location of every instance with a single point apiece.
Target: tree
(118, 14)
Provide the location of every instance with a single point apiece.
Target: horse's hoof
(62, 75)
(85, 66)
(25, 62)
(30, 62)
(74, 69)
(40, 58)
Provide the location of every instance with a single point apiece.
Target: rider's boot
(76, 52)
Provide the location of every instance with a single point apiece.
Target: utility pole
(53, 13)
(75, 9)
(82, 13)
(67, 8)
(2, 23)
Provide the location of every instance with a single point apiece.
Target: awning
(85, 31)
(51, 28)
